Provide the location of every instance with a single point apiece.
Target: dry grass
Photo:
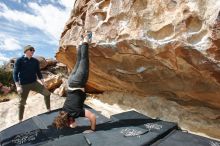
(9, 96)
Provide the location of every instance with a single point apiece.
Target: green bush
(6, 77)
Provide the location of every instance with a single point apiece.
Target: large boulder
(149, 47)
(43, 62)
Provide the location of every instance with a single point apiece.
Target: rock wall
(149, 47)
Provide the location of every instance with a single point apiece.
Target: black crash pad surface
(125, 129)
(71, 140)
(121, 136)
(39, 129)
(179, 138)
(142, 130)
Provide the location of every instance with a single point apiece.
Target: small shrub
(6, 77)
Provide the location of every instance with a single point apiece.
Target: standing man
(26, 71)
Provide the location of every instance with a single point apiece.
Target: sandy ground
(35, 105)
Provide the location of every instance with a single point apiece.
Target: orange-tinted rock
(53, 81)
(149, 48)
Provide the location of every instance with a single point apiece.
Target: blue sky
(32, 22)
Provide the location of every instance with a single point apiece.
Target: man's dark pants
(37, 87)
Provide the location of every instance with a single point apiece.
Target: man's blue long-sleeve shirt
(26, 70)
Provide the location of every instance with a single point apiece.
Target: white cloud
(18, 1)
(3, 58)
(67, 3)
(10, 44)
(3, 7)
(48, 18)
(52, 18)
